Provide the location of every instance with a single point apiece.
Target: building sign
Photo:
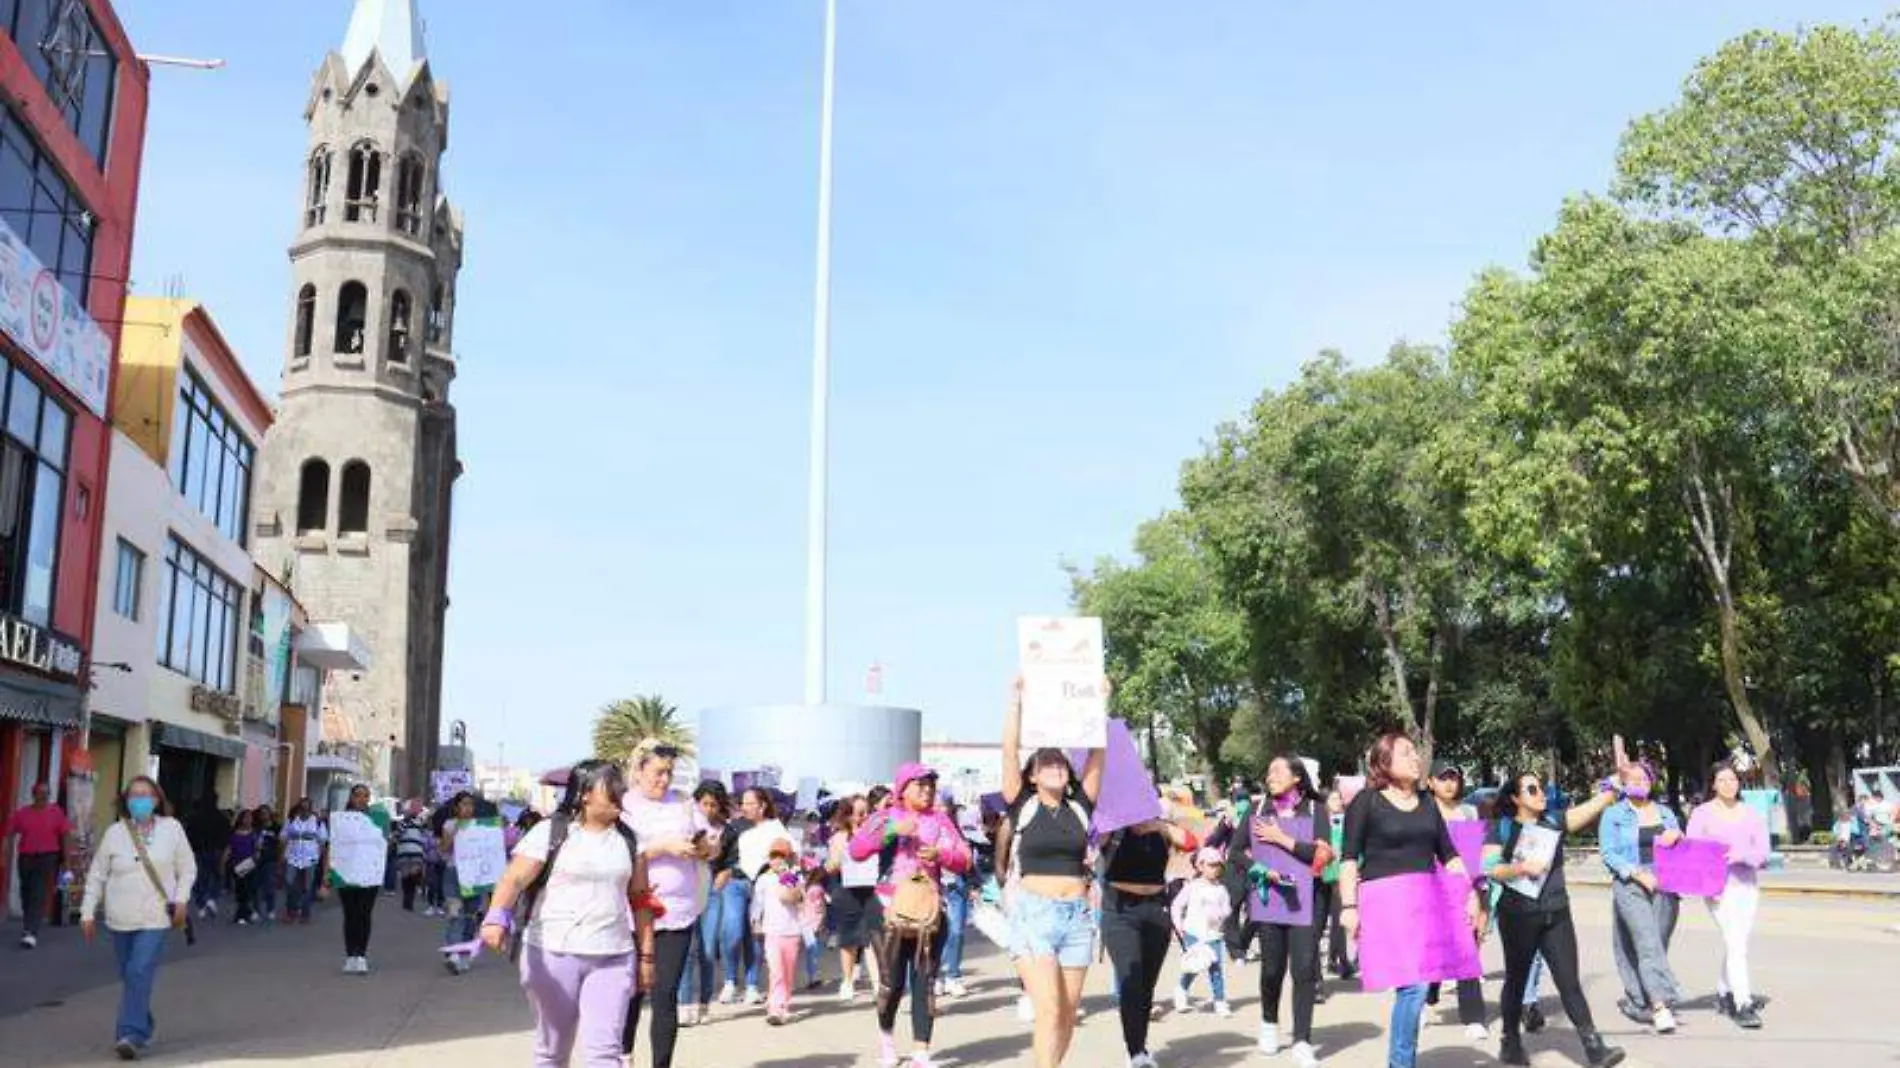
(215, 702)
(37, 649)
(44, 319)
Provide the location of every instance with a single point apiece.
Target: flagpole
(819, 503)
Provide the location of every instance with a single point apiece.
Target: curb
(1873, 894)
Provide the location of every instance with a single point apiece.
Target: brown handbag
(916, 907)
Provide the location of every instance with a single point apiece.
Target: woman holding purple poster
(1448, 791)
(1724, 818)
(1285, 825)
(1393, 832)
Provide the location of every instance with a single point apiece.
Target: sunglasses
(1532, 788)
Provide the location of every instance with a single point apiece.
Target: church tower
(357, 476)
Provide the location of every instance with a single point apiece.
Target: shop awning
(333, 647)
(28, 700)
(172, 736)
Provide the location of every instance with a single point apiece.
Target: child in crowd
(779, 894)
(1200, 914)
(811, 918)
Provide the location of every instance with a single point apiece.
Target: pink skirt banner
(1288, 899)
(1413, 929)
(1696, 867)
(1468, 836)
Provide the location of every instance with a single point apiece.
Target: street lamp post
(819, 503)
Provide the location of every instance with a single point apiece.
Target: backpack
(557, 836)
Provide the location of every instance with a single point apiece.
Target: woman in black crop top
(1391, 829)
(1051, 924)
(1137, 928)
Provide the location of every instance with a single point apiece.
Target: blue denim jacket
(1618, 838)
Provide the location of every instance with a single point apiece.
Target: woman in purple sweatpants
(583, 941)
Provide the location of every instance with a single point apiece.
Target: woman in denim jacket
(1631, 831)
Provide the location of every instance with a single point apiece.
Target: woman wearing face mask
(672, 837)
(1533, 909)
(1052, 935)
(1726, 819)
(1645, 914)
(143, 873)
(1448, 791)
(1290, 796)
(911, 840)
(1391, 831)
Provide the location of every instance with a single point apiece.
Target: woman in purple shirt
(240, 862)
(1726, 819)
(672, 837)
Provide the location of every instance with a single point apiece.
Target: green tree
(626, 723)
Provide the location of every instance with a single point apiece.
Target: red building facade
(73, 98)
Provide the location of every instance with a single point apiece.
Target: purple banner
(1697, 867)
(1468, 836)
(1413, 929)
(1128, 794)
(1288, 899)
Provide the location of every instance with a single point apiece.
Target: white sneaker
(1269, 1038)
(728, 994)
(955, 988)
(752, 995)
(27, 941)
(937, 988)
(349, 965)
(1221, 1008)
(1181, 1002)
(1142, 1060)
(1025, 1010)
(847, 991)
(1477, 1032)
(1665, 1022)
(1305, 1056)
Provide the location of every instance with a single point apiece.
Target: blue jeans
(735, 932)
(1216, 972)
(210, 884)
(1533, 986)
(465, 921)
(814, 948)
(956, 916)
(300, 889)
(1408, 1004)
(696, 979)
(138, 953)
(265, 889)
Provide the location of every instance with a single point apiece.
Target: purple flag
(1412, 929)
(1697, 867)
(1128, 794)
(1468, 836)
(1289, 898)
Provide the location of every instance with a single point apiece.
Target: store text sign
(37, 649)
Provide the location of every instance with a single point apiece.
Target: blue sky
(1071, 238)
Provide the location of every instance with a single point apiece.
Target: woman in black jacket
(1290, 795)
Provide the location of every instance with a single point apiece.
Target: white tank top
(858, 873)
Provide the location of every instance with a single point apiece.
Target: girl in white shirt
(1200, 910)
(589, 925)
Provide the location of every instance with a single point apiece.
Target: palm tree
(626, 723)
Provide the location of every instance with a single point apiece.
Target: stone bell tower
(357, 476)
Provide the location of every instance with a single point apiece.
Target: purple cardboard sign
(1128, 794)
(1413, 929)
(1697, 867)
(1468, 836)
(1289, 898)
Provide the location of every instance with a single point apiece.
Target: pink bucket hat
(909, 773)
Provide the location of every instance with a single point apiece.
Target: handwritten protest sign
(359, 847)
(1468, 836)
(1128, 794)
(1064, 704)
(1412, 929)
(1697, 867)
(481, 853)
(446, 784)
(1288, 899)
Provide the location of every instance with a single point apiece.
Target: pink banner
(1468, 836)
(1697, 867)
(1413, 929)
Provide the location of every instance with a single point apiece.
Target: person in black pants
(1136, 926)
(358, 903)
(1287, 946)
(1533, 916)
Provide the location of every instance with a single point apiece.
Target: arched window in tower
(438, 317)
(399, 327)
(313, 497)
(352, 512)
(366, 182)
(352, 312)
(306, 320)
(409, 182)
(319, 191)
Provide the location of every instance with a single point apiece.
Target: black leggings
(1470, 1001)
(669, 963)
(908, 962)
(358, 903)
(1281, 946)
(1136, 931)
(1527, 934)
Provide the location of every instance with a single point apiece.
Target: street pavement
(271, 996)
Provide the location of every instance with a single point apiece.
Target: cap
(909, 773)
(1440, 768)
(1210, 855)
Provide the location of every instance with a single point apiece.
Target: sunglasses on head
(665, 752)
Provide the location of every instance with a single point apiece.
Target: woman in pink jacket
(1726, 819)
(911, 839)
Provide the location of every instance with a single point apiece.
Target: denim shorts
(1063, 928)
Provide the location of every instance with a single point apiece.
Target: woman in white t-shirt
(588, 924)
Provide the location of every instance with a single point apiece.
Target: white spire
(392, 27)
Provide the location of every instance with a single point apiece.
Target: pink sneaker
(886, 1049)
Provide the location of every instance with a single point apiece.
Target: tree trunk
(1394, 656)
(1440, 644)
(1713, 523)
